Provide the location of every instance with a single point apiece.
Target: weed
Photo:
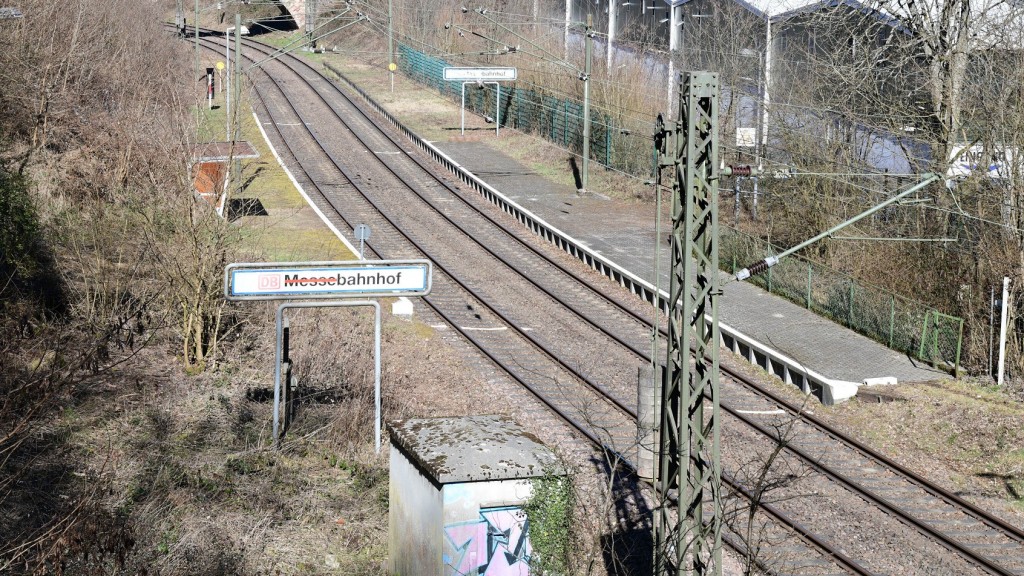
(167, 539)
(549, 512)
(248, 464)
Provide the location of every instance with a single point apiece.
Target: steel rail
(940, 536)
(803, 533)
(597, 388)
(447, 318)
(970, 509)
(922, 526)
(894, 510)
(644, 321)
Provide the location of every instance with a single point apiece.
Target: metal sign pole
(362, 232)
(464, 107)
(279, 351)
(322, 280)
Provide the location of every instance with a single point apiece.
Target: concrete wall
(485, 529)
(414, 520)
(462, 528)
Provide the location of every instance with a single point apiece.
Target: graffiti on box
(496, 544)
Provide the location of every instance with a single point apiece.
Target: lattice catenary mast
(687, 540)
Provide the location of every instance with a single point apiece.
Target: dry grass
(187, 462)
(175, 474)
(438, 119)
(290, 231)
(966, 436)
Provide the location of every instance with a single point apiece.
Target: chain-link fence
(900, 323)
(557, 119)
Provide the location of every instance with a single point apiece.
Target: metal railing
(900, 323)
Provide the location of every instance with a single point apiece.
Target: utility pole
(195, 25)
(179, 18)
(235, 173)
(311, 13)
(686, 540)
(1002, 331)
(589, 44)
(391, 46)
(237, 84)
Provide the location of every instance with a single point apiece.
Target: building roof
(472, 449)
(766, 8)
(994, 22)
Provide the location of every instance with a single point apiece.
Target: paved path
(624, 233)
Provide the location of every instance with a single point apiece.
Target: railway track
(581, 360)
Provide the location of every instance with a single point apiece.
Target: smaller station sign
(479, 74)
(309, 280)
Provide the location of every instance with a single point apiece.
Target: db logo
(269, 281)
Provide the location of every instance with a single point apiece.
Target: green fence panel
(900, 323)
(557, 119)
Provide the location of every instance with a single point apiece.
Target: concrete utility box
(457, 487)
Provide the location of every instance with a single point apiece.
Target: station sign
(311, 280)
(479, 74)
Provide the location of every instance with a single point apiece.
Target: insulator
(744, 170)
(757, 268)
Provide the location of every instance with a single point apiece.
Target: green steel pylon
(687, 539)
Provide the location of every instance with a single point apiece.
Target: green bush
(19, 226)
(549, 512)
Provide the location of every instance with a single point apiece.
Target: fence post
(554, 121)
(959, 342)
(769, 280)
(849, 318)
(809, 285)
(608, 144)
(517, 101)
(892, 317)
(565, 123)
(924, 335)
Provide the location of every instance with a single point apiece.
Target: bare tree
(905, 87)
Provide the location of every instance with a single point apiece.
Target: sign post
(362, 234)
(220, 74)
(324, 280)
(481, 76)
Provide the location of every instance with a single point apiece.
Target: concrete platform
(784, 338)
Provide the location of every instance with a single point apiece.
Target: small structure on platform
(457, 488)
(402, 308)
(210, 169)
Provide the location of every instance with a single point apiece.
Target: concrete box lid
(472, 449)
